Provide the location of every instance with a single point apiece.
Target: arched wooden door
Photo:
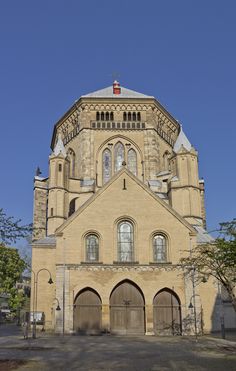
(167, 313)
(127, 310)
(87, 312)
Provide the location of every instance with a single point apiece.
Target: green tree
(11, 269)
(11, 264)
(217, 259)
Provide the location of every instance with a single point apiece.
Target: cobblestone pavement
(93, 353)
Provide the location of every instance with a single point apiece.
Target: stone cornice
(71, 118)
(122, 268)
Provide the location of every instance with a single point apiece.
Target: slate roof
(202, 235)
(49, 240)
(182, 140)
(108, 93)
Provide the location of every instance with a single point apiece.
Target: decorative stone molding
(122, 268)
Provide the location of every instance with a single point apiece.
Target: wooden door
(167, 313)
(127, 310)
(87, 312)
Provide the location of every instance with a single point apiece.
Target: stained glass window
(119, 156)
(132, 161)
(159, 248)
(125, 242)
(92, 248)
(106, 165)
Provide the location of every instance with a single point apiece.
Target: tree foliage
(11, 230)
(11, 269)
(217, 259)
(11, 264)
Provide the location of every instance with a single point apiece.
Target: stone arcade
(122, 204)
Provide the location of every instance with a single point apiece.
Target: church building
(122, 204)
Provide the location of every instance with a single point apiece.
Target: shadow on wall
(223, 314)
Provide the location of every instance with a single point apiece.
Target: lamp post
(193, 306)
(35, 297)
(58, 305)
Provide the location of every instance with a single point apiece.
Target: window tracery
(159, 248)
(132, 161)
(107, 164)
(125, 240)
(92, 248)
(119, 153)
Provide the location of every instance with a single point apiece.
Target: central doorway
(127, 310)
(87, 312)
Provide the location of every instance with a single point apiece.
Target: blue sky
(182, 52)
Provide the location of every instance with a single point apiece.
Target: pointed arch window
(159, 248)
(125, 240)
(97, 116)
(129, 116)
(132, 161)
(102, 115)
(134, 116)
(72, 206)
(166, 157)
(124, 116)
(119, 156)
(71, 156)
(106, 165)
(107, 116)
(138, 116)
(92, 248)
(111, 116)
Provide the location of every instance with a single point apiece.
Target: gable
(125, 196)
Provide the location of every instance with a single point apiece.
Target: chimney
(116, 88)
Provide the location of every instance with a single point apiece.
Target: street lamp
(58, 305)
(35, 297)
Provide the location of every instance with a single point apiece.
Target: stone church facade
(122, 204)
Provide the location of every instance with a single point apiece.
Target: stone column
(149, 319)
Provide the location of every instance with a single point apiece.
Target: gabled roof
(108, 93)
(142, 185)
(182, 140)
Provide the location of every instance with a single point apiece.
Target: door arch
(127, 309)
(87, 312)
(167, 313)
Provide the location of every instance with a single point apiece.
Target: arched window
(97, 116)
(132, 161)
(92, 247)
(134, 116)
(138, 116)
(159, 248)
(106, 165)
(166, 157)
(124, 116)
(129, 116)
(107, 116)
(72, 207)
(125, 240)
(111, 116)
(102, 115)
(71, 157)
(119, 156)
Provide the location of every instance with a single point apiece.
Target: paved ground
(110, 353)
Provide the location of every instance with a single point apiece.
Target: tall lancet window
(132, 161)
(92, 247)
(125, 242)
(159, 248)
(106, 165)
(119, 156)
